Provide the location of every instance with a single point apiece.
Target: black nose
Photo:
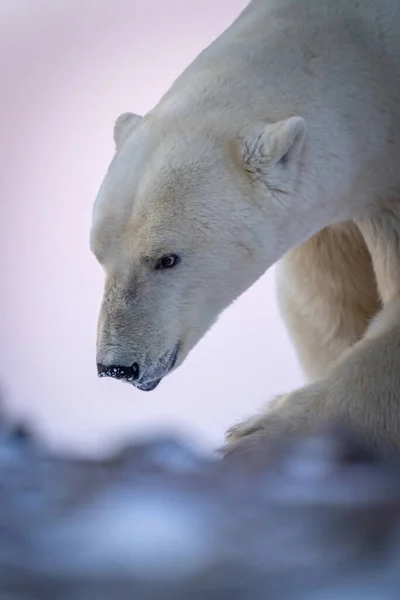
(127, 373)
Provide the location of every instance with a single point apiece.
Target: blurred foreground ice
(318, 520)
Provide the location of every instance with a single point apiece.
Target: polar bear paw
(262, 424)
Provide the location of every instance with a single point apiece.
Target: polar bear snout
(129, 374)
(145, 377)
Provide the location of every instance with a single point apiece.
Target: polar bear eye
(167, 262)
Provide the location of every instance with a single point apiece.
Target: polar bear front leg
(361, 389)
(360, 392)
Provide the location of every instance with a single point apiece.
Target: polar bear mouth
(149, 386)
(162, 368)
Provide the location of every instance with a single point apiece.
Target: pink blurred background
(67, 69)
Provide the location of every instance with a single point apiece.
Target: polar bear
(280, 143)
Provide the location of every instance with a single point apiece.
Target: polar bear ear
(276, 145)
(125, 123)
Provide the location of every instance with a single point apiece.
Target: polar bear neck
(254, 72)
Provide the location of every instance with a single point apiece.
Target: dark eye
(167, 262)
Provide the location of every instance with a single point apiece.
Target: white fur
(279, 142)
(124, 125)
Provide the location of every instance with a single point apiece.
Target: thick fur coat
(279, 143)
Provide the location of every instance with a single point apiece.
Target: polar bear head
(187, 218)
